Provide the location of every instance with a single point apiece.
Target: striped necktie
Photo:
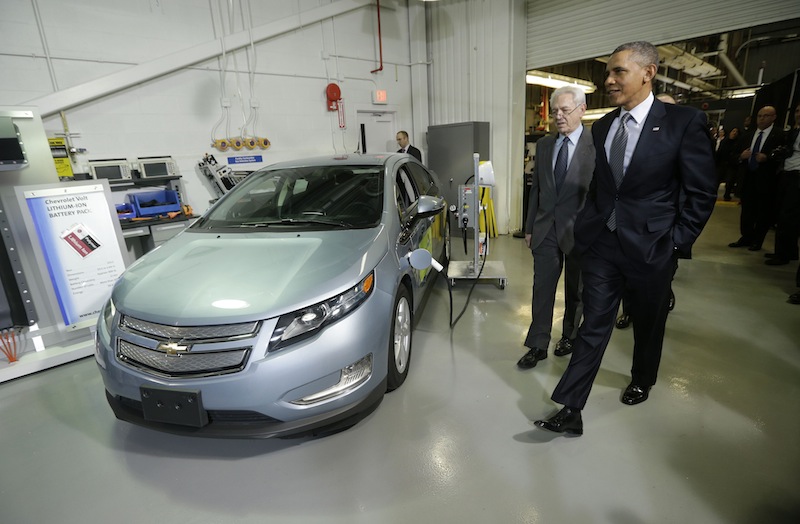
(617, 161)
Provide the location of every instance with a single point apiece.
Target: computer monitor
(12, 152)
(156, 166)
(111, 169)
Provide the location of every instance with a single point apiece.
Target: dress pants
(788, 230)
(607, 273)
(548, 261)
(758, 197)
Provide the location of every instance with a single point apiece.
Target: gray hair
(643, 53)
(577, 94)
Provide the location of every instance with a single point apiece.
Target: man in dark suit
(788, 203)
(405, 147)
(560, 182)
(759, 168)
(648, 156)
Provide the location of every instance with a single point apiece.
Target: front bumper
(275, 394)
(249, 424)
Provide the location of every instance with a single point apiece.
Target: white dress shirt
(638, 114)
(572, 142)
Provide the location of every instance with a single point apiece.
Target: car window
(316, 197)
(421, 177)
(406, 192)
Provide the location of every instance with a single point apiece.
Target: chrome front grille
(188, 364)
(185, 333)
(179, 352)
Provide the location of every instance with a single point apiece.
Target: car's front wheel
(400, 340)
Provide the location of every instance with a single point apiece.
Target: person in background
(759, 180)
(632, 225)
(406, 147)
(747, 123)
(728, 162)
(560, 180)
(788, 227)
(794, 298)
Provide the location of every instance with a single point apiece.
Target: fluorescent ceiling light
(597, 114)
(555, 81)
(742, 93)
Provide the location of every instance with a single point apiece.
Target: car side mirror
(428, 206)
(425, 207)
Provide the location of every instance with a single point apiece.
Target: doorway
(376, 131)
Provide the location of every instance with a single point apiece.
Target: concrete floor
(717, 442)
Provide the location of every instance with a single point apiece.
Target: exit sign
(379, 97)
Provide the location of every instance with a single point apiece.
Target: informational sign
(58, 148)
(249, 159)
(76, 232)
(379, 97)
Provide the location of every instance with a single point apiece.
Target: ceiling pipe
(752, 40)
(687, 87)
(728, 63)
(380, 39)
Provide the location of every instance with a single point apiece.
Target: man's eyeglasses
(554, 113)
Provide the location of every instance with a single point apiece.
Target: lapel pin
(656, 128)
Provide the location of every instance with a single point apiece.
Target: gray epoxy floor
(717, 442)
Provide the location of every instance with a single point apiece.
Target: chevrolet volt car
(287, 309)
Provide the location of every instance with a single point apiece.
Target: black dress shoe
(794, 298)
(738, 243)
(530, 358)
(635, 394)
(567, 421)
(623, 321)
(777, 261)
(775, 255)
(671, 300)
(564, 347)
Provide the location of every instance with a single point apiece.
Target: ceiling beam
(81, 94)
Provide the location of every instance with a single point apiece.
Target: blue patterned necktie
(752, 165)
(560, 171)
(617, 162)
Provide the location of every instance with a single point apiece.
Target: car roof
(344, 160)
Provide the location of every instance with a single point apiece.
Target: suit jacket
(766, 174)
(546, 206)
(782, 153)
(413, 151)
(668, 192)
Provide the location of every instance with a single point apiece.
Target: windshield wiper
(297, 221)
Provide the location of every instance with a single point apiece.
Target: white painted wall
(87, 40)
(444, 62)
(477, 50)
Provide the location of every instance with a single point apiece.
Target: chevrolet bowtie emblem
(173, 349)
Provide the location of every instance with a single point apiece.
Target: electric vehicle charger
(422, 259)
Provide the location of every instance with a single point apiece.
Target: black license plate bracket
(173, 406)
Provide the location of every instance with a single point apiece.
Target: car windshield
(312, 198)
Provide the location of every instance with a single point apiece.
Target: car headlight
(109, 312)
(303, 323)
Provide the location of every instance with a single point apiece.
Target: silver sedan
(287, 309)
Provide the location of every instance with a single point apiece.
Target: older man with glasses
(560, 182)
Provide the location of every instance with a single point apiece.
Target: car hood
(200, 278)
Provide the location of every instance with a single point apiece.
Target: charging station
(467, 214)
